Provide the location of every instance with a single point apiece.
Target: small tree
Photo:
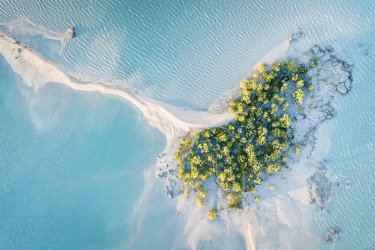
(261, 68)
(211, 214)
(297, 150)
(299, 83)
(199, 202)
(298, 96)
(257, 199)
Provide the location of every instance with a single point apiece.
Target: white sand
(37, 71)
(273, 223)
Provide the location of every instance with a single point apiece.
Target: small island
(276, 109)
(238, 154)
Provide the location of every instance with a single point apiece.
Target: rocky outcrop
(70, 32)
(319, 187)
(166, 169)
(330, 48)
(341, 88)
(328, 57)
(363, 49)
(171, 189)
(332, 235)
(344, 87)
(296, 36)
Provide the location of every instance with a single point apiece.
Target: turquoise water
(351, 156)
(71, 166)
(68, 158)
(177, 50)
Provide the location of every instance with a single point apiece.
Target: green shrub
(211, 214)
(238, 154)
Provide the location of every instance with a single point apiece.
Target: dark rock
(316, 49)
(330, 48)
(161, 174)
(320, 55)
(329, 111)
(363, 49)
(320, 187)
(70, 32)
(341, 88)
(168, 191)
(332, 235)
(348, 85)
(295, 36)
(345, 65)
(326, 56)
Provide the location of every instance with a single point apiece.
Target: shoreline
(37, 70)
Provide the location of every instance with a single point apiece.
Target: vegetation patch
(238, 155)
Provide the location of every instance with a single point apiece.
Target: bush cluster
(255, 143)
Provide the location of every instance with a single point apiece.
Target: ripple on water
(188, 52)
(184, 52)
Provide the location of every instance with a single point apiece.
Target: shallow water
(71, 165)
(351, 157)
(177, 50)
(184, 53)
